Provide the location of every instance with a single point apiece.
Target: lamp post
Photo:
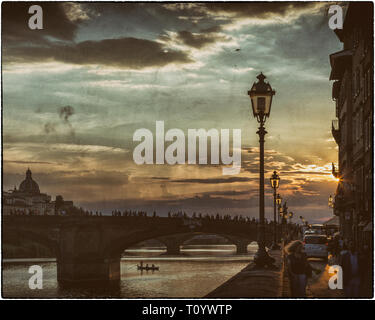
(281, 215)
(284, 220)
(331, 203)
(275, 181)
(278, 202)
(291, 229)
(261, 94)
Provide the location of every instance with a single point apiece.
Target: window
(357, 126)
(357, 82)
(360, 125)
(366, 134)
(369, 82)
(343, 132)
(365, 86)
(355, 38)
(369, 184)
(369, 132)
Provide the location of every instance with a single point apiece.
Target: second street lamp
(278, 201)
(284, 221)
(261, 94)
(275, 181)
(331, 203)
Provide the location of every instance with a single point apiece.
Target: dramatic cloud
(228, 12)
(124, 52)
(125, 65)
(213, 181)
(56, 22)
(260, 10)
(198, 40)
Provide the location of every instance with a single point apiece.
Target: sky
(75, 92)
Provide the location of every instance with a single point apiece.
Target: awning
(339, 61)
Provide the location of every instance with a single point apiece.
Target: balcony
(336, 131)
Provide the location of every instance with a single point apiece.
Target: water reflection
(195, 273)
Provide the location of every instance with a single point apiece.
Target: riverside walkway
(252, 282)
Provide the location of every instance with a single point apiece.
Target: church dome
(29, 185)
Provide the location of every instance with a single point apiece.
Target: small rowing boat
(147, 267)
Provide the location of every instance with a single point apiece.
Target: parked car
(319, 228)
(310, 231)
(316, 246)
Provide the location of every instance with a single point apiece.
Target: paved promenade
(253, 283)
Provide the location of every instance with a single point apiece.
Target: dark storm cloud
(307, 172)
(56, 23)
(198, 40)
(160, 178)
(211, 29)
(214, 180)
(226, 193)
(27, 162)
(122, 52)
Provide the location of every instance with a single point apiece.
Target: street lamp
(278, 201)
(261, 94)
(285, 211)
(330, 202)
(284, 219)
(275, 181)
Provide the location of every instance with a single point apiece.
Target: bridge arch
(173, 241)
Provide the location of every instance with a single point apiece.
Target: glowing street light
(275, 181)
(261, 94)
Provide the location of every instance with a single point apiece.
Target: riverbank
(252, 282)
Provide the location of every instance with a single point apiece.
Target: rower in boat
(147, 267)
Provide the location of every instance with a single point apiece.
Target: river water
(198, 271)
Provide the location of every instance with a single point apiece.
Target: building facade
(352, 90)
(28, 200)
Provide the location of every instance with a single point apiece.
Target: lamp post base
(261, 258)
(275, 246)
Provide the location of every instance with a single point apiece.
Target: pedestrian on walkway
(335, 246)
(366, 279)
(351, 271)
(298, 268)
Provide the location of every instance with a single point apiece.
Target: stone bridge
(88, 248)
